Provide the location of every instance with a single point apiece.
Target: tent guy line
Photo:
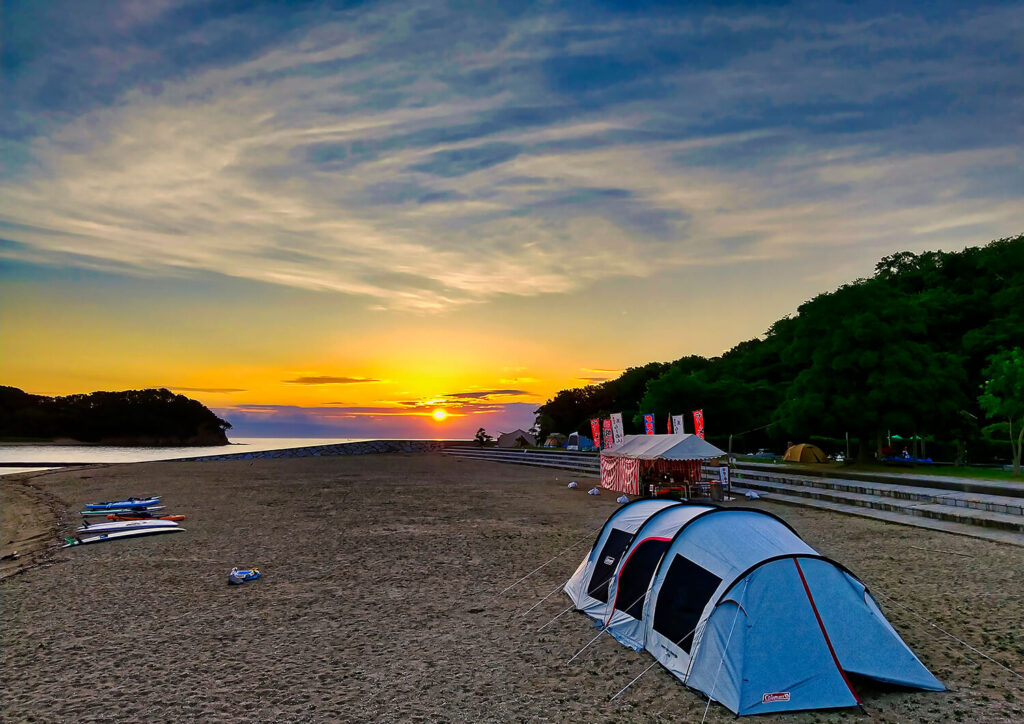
(653, 664)
(555, 590)
(606, 626)
(948, 634)
(564, 611)
(544, 565)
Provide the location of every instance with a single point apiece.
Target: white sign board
(677, 425)
(617, 431)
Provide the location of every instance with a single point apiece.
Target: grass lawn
(937, 470)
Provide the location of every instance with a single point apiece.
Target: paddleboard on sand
(117, 536)
(126, 525)
(126, 503)
(142, 515)
(115, 511)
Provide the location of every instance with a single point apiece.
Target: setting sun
(440, 415)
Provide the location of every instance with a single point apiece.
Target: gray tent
(516, 438)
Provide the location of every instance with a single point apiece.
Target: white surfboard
(118, 535)
(115, 526)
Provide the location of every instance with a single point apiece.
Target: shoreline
(378, 602)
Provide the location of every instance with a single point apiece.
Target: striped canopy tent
(679, 456)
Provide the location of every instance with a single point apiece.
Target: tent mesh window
(684, 593)
(636, 574)
(616, 545)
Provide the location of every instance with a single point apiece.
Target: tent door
(607, 561)
(685, 593)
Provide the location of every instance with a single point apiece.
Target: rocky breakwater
(369, 447)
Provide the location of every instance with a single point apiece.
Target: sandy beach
(380, 601)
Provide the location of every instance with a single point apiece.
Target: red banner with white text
(698, 423)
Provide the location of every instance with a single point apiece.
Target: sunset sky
(333, 219)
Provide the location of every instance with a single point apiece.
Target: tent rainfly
(622, 465)
(734, 604)
(804, 453)
(579, 442)
(516, 438)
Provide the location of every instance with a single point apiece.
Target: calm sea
(47, 453)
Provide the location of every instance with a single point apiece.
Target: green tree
(1003, 397)
(866, 366)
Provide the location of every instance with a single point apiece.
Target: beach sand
(380, 601)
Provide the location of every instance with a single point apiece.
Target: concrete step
(1010, 488)
(910, 508)
(587, 466)
(1008, 505)
(974, 531)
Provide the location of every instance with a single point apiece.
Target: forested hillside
(904, 351)
(139, 417)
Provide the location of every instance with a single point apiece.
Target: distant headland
(152, 417)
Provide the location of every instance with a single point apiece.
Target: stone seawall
(371, 447)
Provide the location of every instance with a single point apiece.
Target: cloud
(329, 380)
(412, 156)
(206, 389)
(369, 421)
(461, 161)
(483, 394)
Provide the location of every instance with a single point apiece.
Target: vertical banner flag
(668, 424)
(606, 440)
(595, 432)
(617, 432)
(649, 424)
(677, 425)
(698, 423)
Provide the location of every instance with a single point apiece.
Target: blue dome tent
(738, 607)
(579, 442)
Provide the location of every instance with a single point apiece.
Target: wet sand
(380, 602)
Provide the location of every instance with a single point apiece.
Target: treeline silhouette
(904, 352)
(150, 417)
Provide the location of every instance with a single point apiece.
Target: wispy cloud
(484, 394)
(206, 389)
(415, 156)
(329, 380)
(366, 421)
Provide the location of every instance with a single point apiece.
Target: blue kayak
(129, 503)
(119, 511)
